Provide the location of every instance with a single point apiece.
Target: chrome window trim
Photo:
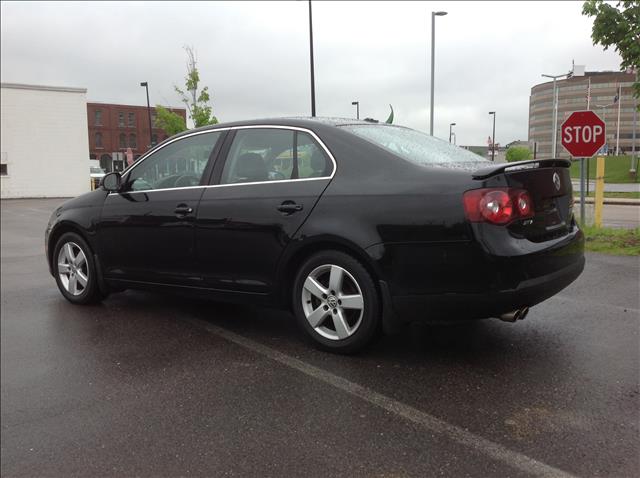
(231, 128)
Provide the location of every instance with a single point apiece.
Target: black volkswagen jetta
(352, 225)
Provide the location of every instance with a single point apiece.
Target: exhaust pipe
(518, 314)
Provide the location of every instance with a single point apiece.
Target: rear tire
(75, 270)
(336, 302)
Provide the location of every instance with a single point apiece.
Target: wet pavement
(159, 385)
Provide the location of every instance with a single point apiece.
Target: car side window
(259, 155)
(179, 164)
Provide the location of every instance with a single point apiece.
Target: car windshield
(93, 170)
(415, 146)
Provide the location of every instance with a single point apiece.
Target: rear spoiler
(520, 165)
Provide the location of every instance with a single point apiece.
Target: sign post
(599, 191)
(583, 134)
(582, 189)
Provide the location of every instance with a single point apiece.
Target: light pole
(357, 105)
(146, 86)
(554, 136)
(493, 137)
(604, 118)
(313, 77)
(451, 125)
(433, 50)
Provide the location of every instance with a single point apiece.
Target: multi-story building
(597, 91)
(115, 128)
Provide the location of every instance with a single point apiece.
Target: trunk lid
(549, 185)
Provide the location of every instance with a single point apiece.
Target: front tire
(336, 302)
(75, 270)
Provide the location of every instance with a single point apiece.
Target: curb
(615, 201)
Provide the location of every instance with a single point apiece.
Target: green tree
(619, 27)
(170, 122)
(200, 112)
(518, 153)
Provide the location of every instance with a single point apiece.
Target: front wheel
(336, 302)
(75, 270)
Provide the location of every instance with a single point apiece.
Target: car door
(263, 192)
(146, 230)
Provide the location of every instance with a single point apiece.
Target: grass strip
(616, 169)
(608, 240)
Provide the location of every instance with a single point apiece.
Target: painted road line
(458, 434)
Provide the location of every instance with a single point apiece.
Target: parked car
(354, 226)
(96, 173)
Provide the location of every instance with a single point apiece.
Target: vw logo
(332, 301)
(556, 181)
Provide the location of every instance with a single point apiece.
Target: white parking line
(482, 445)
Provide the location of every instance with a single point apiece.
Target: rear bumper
(489, 286)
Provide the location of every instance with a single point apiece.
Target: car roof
(299, 121)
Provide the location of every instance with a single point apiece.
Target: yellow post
(599, 200)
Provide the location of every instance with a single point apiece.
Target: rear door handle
(182, 210)
(289, 207)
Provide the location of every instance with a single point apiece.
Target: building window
(121, 120)
(153, 119)
(132, 120)
(3, 170)
(98, 140)
(98, 118)
(123, 140)
(154, 139)
(133, 143)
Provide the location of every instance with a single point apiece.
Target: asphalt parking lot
(158, 385)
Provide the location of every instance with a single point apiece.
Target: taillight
(497, 205)
(524, 204)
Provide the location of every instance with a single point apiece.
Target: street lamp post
(433, 50)
(146, 86)
(493, 137)
(313, 76)
(554, 136)
(451, 130)
(357, 105)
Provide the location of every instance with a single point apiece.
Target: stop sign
(583, 134)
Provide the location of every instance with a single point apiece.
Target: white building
(44, 143)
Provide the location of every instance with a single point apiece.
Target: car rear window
(415, 146)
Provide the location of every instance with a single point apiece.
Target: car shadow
(465, 342)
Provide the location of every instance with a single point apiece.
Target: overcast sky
(255, 56)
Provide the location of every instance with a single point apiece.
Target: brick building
(114, 128)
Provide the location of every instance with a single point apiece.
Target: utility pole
(313, 77)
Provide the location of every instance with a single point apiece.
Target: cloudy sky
(255, 56)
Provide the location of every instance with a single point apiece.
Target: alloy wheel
(73, 269)
(332, 302)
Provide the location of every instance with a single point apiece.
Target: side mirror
(111, 182)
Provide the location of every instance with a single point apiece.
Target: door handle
(182, 210)
(289, 207)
